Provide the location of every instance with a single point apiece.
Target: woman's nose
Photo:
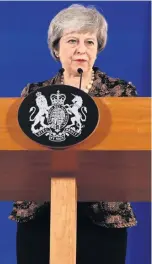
(81, 48)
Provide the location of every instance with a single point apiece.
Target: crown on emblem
(58, 98)
(38, 94)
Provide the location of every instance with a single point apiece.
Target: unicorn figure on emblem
(73, 109)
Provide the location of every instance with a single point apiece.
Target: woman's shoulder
(106, 85)
(30, 87)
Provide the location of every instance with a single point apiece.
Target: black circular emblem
(58, 116)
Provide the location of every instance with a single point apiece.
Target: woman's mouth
(80, 60)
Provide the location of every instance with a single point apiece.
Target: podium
(112, 164)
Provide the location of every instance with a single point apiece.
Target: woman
(76, 35)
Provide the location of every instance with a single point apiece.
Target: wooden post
(63, 219)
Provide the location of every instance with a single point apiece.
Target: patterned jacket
(103, 213)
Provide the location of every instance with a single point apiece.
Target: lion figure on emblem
(42, 104)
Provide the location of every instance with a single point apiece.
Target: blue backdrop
(24, 58)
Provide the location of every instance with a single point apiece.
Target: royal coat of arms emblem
(54, 119)
(58, 116)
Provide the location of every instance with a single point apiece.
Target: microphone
(61, 70)
(80, 71)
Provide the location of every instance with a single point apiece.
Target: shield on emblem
(58, 116)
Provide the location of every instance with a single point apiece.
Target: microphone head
(79, 70)
(62, 70)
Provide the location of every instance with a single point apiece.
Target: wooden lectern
(112, 164)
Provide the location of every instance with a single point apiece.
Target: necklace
(87, 88)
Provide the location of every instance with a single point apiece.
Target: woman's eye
(72, 41)
(90, 42)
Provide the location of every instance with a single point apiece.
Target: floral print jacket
(103, 213)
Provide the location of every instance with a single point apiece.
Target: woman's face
(78, 50)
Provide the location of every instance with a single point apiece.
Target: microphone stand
(80, 71)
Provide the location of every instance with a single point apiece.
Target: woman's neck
(74, 80)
